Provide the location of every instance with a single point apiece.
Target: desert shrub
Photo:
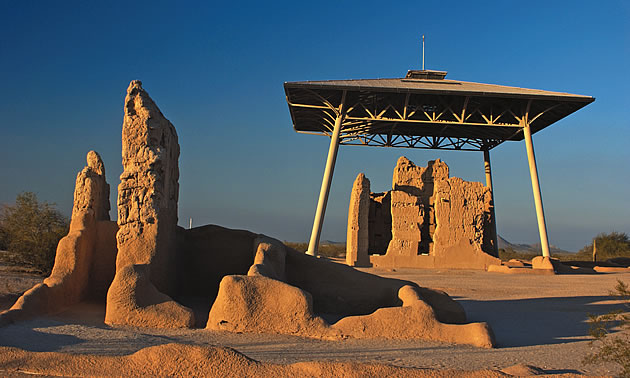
(327, 250)
(614, 244)
(509, 253)
(612, 348)
(32, 230)
(3, 238)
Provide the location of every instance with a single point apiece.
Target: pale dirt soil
(538, 320)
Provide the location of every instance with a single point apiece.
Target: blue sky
(216, 70)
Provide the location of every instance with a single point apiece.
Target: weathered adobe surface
(249, 282)
(84, 261)
(145, 278)
(413, 216)
(357, 240)
(436, 221)
(366, 306)
(188, 360)
(254, 296)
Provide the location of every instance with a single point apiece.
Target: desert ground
(538, 320)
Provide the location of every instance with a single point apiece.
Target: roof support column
(313, 244)
(533, 171)
(488, 170)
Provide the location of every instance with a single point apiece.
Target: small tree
(612, 348)
(614, 244)
(4, 244)
(32, 230)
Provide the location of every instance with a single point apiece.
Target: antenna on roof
(423, 52)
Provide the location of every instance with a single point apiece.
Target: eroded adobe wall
(357, 239)
(148, 190)
(84, 261)
(424, 200)
(146, 265)
(412, 206)
(463, 212)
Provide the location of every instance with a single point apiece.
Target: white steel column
(313, 244)
(488, 170)
(533, 171)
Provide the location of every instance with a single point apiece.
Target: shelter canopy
(424, 110)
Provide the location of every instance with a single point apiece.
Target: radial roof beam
(424, 110)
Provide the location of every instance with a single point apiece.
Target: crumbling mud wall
(358, 238)
(147, 217)
(468, 232)
(436, 221)
(84, 263)
(156, 274)
(413, 214)
(366, 306)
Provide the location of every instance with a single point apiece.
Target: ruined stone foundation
(148, 272)
(427, 220)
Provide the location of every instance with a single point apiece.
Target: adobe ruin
(427, 220)
(149, 272)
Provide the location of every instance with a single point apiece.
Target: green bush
(612, 348)
(614, 244)
(31, 231)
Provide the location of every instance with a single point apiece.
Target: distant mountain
(527, 248)
(330, 242)
(522, 248)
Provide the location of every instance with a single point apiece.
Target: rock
(90, 239)
(147, 215)
(357, 241)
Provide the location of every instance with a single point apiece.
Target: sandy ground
(538, 320)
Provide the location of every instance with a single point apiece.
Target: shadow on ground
(32, 339)
(539, 321)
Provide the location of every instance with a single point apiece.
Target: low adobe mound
(370, 306)
(189, 360)
(169, 277)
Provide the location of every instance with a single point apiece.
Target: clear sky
(216, 70)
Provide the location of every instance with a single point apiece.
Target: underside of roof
(425, 113)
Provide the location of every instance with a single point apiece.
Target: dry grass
(328, 250)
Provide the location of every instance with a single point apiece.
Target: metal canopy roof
(423, 110)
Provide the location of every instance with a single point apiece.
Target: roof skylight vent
(425, 75)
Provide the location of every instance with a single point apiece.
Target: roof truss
(421, 120)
